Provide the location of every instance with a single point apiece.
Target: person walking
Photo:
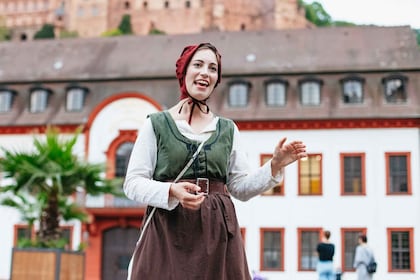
(363, 256)
(186, 164)
(325, 249)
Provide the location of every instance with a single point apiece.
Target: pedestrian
(325, 249)
(191, 229)
(363, 256)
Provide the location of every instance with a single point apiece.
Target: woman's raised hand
(285, 154)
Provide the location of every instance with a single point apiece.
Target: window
(80, 12)
(310, 92)
(23, 233)
(39, 100)
(238, 94)
(122, 157)
(310, 175)
(275, 93)
(350, 241)
(352, 90)
(75, 98)
(277, 189)
(308, 240)
(272, 251)
(401, 249)
(398, 173)
(6, 100)
(352, 174)
(395, 88)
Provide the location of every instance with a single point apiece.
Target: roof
(332, 49)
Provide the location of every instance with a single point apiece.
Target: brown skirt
(192, 245)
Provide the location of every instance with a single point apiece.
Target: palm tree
(50, 174)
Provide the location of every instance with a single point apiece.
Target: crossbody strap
(194, 156)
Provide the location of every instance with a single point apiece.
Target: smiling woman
(185, 165)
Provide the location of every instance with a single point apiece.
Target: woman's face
(201, 75)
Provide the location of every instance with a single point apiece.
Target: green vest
(174, 150)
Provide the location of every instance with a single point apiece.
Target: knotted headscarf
(181, 70)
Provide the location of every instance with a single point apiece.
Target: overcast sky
(377, 12)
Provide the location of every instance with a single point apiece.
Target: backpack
(371, 266)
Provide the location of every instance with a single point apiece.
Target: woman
(194, 233)
(362, 257)
(325, 249)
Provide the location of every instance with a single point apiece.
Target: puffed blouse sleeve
(139, 184)
(242, 183)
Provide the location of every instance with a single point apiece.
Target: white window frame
(75, 99)
(238, 94)
(6, 100)
(276, 93)
(352, 90)
(310, 92)
(392, 85)
(38, 100)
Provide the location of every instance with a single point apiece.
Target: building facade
(355, 103)
(92, 18)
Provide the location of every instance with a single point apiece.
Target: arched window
(121, 158)
(310, 91)
(395, 88)
(352, 90)
(238, 93)
(75, 98)
(275, 92)
(6, 100)
(39, 99)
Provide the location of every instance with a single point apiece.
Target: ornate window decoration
(395, 88)
(276, 92)
(75, 98)
(352, 90)
(239, 93)
(310, 91)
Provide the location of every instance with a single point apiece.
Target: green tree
(46, 32)
(68, 34)
(316, 14)
(112, 32)
(4, 31)
(417, 32)
(42, 180)
(125, 25)
(155, 31)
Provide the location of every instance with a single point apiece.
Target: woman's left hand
(285, 154)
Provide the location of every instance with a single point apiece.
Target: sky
(377, 12)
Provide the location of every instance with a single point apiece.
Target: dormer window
(310, 92)
(39, 100)
(75, 98)
(239, 94)
(352, 90)
(395, 88)
(6, 100)
(275, 93)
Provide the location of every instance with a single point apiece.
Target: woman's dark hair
(327, 234)
(363, 238)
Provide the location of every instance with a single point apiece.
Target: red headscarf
(185, 58)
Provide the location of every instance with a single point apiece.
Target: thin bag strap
(194, 156)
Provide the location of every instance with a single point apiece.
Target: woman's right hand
(187, 194)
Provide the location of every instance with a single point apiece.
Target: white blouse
(241, 183)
